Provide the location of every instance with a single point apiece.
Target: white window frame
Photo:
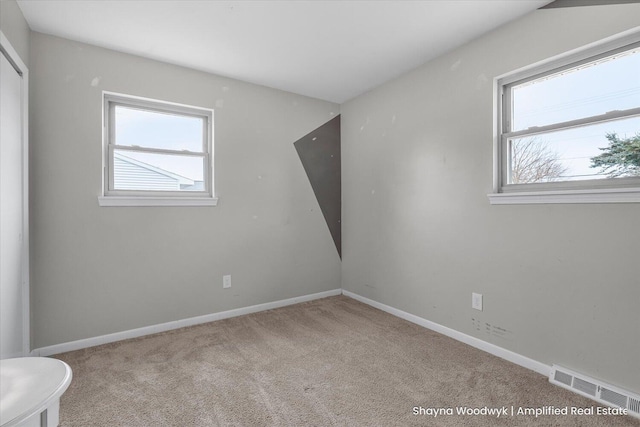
(613, 190)
(113, 197)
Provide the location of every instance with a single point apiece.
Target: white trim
(154, 329)
(26, 306)
(603, 195)
(163, 327)
(156, 201)
(580, 53)
(156, 104)
(581, 122)
(500, 352)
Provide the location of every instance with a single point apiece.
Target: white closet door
(11, 211)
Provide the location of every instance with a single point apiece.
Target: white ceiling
(332, 50)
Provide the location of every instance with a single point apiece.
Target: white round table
(30, 390)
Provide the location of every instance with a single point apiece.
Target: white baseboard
(154, 329)
(500, 352)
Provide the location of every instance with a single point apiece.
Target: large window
(156, 153)
(569, 130)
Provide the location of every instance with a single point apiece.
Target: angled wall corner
(319, 152)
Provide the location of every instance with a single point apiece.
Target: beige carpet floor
(330, 362)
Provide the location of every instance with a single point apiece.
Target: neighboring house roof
(132, 174)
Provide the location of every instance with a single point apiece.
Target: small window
(569, 131)
(156, 153)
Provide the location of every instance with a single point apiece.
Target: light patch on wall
(365, 124)
(219, 103)
(225, 88)
(456, 64)
(96, 81)
(481, 81)
(69, 77)
(393, 119)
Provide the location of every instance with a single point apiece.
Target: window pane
(141, 171)
(152, 129)
(611, 83)
(605, 150)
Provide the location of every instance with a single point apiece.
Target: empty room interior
(327, 213)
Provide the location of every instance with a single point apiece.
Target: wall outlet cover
(476, 301)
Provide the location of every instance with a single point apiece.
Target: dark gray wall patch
(319, 152)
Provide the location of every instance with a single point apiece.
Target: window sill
(609, 195)
(156, 201)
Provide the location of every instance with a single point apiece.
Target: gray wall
(102, 270)
(15, 28)
(420, 235)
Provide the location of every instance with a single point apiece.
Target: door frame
(7, 49)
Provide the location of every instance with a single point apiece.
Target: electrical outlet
(476, 301)
(226, 281)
